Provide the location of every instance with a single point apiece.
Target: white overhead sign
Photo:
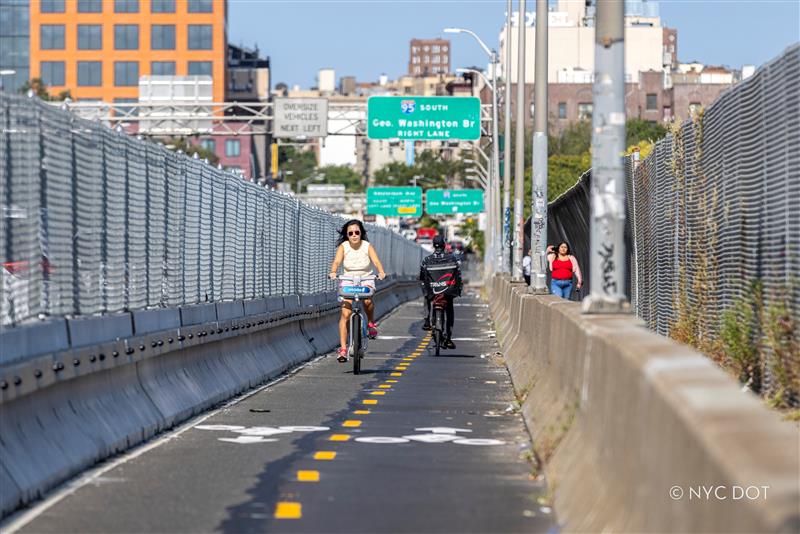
(301, 117)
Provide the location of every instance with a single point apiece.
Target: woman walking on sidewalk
(563, 266)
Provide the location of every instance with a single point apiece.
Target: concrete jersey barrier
(64, 411)
(638, 432)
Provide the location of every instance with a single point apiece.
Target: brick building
(656, 97)
(429, 57)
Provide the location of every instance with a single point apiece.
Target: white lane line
(381, 337)
(89, 476)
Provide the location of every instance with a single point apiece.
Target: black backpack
(442, 277)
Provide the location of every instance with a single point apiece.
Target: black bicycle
(438, 305)
(355, 291)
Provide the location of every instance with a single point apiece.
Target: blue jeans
(561, 288)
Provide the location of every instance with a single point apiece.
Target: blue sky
(365, 38)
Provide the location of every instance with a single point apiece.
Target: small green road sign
(442, 201)
(424, 117)
(394, 201)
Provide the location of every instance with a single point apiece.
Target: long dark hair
(569, 250)
(343, 231)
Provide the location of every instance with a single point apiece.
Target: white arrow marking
(219, 427)
(244, 440)
(479, 441)
(442, 430)
(262, 431)
(382, 440)
(432, 438)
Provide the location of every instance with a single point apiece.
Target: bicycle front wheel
(355, 346)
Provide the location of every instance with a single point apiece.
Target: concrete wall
(620, 415)
(136, 375)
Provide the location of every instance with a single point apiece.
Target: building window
(415, 60)
(209, 144)
(584, 111)
(233, 148)
(52, 37)
(426, 59)
(652, 102)
(667, 113)
(435, 59)
(200, 37)
(126, 73)
(126, 6)
(199, 68)
(435, 49)
(126, 37)
(52, 6)
(129, 111)
(201, 6)
(444, 49)
(90, 73)
(162, 68)
(90, 6)
(562, 110)
(162, 37)
(162, 6)
(52, 73)
(90, 37)
(417, 70)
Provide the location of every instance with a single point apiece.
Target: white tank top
(357, 262)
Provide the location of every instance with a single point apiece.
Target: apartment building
(98, 49)
(429, 57)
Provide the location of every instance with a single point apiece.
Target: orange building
(98, 49)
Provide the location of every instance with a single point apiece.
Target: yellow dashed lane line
(308, 476)
(361, 412)
(288, 510)
(369, 401)
(352, 423)
(324, 455)
(339, 437)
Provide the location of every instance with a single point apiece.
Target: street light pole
(507, 150)
(494, 225)
(539, 171)
(607, 220)
(519, 149)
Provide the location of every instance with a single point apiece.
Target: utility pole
(608, 177)
(539, 171)
(507, 151)
(519, 149)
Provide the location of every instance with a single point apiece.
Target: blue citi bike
(354, 290)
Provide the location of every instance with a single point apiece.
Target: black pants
(527, 278)
(449, 313)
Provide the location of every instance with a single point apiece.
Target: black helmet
(438, 242)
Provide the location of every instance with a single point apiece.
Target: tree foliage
(431, 167)
(39, 89)
(190, 149)
(343, 175)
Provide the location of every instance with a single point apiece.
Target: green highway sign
(443, 201)
(424, 117)
(394, 201)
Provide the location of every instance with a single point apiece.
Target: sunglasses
(354, 233)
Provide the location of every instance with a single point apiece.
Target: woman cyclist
(357, 258)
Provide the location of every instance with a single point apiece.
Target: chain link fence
(713, 230)
(95, 221)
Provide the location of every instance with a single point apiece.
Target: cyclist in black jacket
(440, 256)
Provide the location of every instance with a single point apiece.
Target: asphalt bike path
(414, 443)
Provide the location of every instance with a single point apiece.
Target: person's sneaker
(372, 330)
(427, 324)
(448, 343)
(342, 355)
